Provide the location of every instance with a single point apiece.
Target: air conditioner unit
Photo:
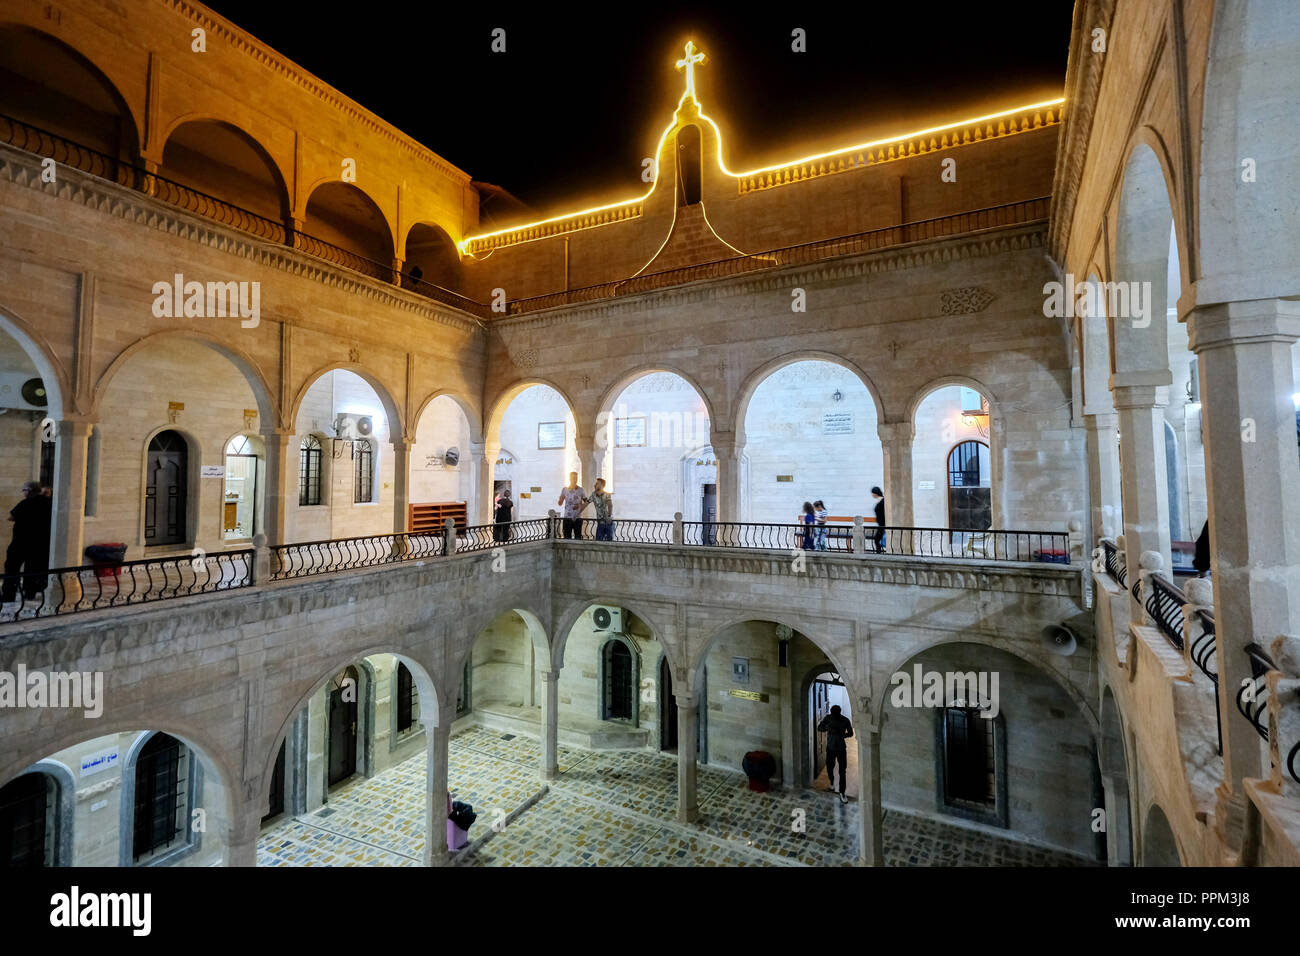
(21, 390)
(608, 619)
(353, 426)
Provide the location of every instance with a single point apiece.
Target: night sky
(567, 113)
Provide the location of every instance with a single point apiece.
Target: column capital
(1140, 396)
(1248, 322)
(725, 444)
(896, 432)
(1099, 420)
(549, 677)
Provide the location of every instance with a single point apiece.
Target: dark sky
(579, 98)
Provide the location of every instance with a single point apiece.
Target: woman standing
(809, 520)
(822, 515)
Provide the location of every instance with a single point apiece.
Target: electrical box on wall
(740, 670)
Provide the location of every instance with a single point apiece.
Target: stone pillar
(589, 461)
(871, 845)
(436, 788)
(1144, 476)
(785, 682)
(727, 450)
(687, 735)
(401, 485)
(896, 439)
(71, 457)
(1103, 475)
(1253, 483)
(1115, 793)
(280, 471)
(550, 768)
(483, 458)
(242, 832)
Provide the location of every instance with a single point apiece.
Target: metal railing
(120, 584)
(1164, 603)
(1050, 547)
(1252, 703)
(1110, 560)
(347, 554)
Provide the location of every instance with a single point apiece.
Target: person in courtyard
(879, 537)
(29, 552)
(822, 514)
(604, 503)
(837, 728)
(505, 510)
(574, 499)
(809, 519)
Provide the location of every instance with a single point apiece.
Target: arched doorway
(970, 492)
(667, 707)
(826, 691)
(28, 811)
(242, 494)
(166, 490)
(343, 711)
(618, 682)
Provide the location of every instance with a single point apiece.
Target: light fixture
(837, 396)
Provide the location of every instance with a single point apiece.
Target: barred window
(363, 472)
(405, 698)
(161, 795)
(309, 471)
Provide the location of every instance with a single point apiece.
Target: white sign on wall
(550, 434)
(925, 486)
(630, 431)
(837, 423)
(212, 471)
(99, 761)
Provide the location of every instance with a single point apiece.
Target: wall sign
(837, 423)
(630, 432)
(212, 471)
(550, 435)
(748, 695)
(99, 761)
(785, 477)
(925, 486)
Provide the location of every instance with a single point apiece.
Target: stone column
(1144, 478)
(687, 735)
(589, 461)
(871, 845)
(1253, 482)
(550, 768)
(280, 471)
(242, 832)
(896, 439)
(71, 457)
(483, 457)
(1103, 475)
(436, 788)
(401, 484)
(785, 682)
(727, 450)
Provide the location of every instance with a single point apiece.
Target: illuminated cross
(689, 62)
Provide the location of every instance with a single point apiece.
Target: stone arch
(232, 140)
(611, 394)
(758, 375)
(266, 409)
(532, 622)
(346, 216)
(883, 675)
(498, 405)
(1113, 762)
(965, 381)
(696, 660)
(396, 427)
(428, 247)
(472, 414)
(39, 353)
(568, 618)
(1159, 844)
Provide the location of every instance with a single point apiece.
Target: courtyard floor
(612, 808)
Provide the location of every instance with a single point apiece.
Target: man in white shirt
(574, 500)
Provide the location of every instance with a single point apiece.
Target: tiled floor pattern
(613, 808)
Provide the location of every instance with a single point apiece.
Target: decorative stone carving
(964, 301)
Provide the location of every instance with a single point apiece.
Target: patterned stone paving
(612, 808)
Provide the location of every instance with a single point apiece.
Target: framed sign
(630, 432)
(550, 434)
(837, 423)
(212, 471)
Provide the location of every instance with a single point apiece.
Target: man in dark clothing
(880, 517)
(1201, 559)
(837, 728)
(505, 508)
(30, 550)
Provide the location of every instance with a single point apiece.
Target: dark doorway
(167, 481)
(275, 804)
(709, 514)
(821, 706)
(688, 166)
(970, 499)
(499, 486)
(343, 726)
(667, 708)
(26, 814)
(969, 772)
(618, 681)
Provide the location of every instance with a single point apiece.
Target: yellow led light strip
(691, 59)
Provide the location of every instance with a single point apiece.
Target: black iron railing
(1252, 703)
(1203, 654)
(1051, 547)
(1110, 560)
(348, 554)
(1164, 603)
(120, 584)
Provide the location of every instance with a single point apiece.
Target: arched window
(688, 166)
(161, 797)
(972, 764)
(363, 472)
(970, 497)
(239, 502)
(406, 698)
(28, 811)
(618, 680)
(309, 471)
(166, 489)
(964, 468)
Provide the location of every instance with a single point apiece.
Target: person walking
(574, 500)
(29, 552)
(837, 729)
(809, 519)
(505, 511)
(822, 514)
(604, 511)
(879, 536)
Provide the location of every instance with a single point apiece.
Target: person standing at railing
(822, 514)
(604, 511)
(809, 519)
(30, 549)
(574, 499)
(505, 509)
(879, 536)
